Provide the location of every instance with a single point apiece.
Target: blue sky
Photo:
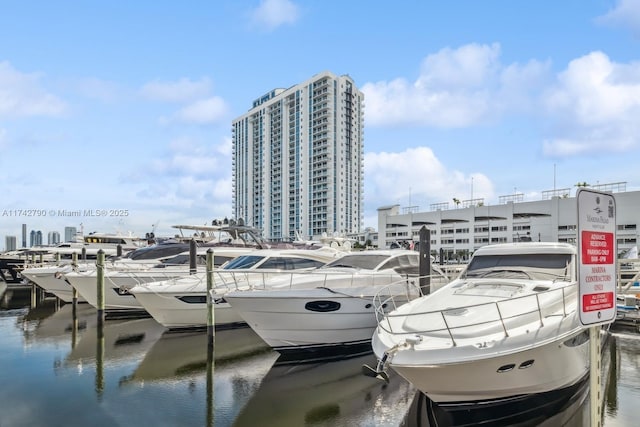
(128, 105)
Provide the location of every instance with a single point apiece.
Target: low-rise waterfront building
(457, 229)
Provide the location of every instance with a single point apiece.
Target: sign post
(596, 277)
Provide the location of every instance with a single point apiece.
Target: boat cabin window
(298, 263)
(105, 240)
(538, 266)
(183, 259)
(283, 263)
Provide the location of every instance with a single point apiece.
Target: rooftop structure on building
(298, 159)
(460, 227)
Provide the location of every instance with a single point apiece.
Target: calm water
(56, 372)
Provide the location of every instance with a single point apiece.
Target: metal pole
(594, 376)
(100, 287)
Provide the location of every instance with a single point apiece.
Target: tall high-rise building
(36, 238)
(24, 235)
(298, 159)
(69, 234)
(53, 238)
(10, 243)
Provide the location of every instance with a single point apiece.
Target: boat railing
(320, 279)
(497, 318)
(246, 280)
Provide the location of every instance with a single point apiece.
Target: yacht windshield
(157, 251)
(530, 266)
(243, 261)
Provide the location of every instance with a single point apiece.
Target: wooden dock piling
(100, 287)
(210, 310)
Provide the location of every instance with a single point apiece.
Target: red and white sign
(596, 256)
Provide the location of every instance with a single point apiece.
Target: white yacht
(51, 279)
(228, 240)
(329, 309)
(119, 278)
(508, 326)
(84, 246)
(182, 302)
(163, 260)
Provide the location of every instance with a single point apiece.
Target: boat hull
(307, 319)
(172, 312)
(116, 287)
(53, 281)
(554, 365)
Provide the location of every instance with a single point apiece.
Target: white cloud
(417, 173)
(199, 106)
(271, 14)
(590, 106)
(226, 148)
(187, 157)
(456, 88)
(189, 164)
(204, 111)
(594, 105)
(183, 90)
(625, 14)
(472, 65)
(21, 95)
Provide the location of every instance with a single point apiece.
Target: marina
(58, 369)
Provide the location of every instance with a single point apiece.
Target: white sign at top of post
(596, 256)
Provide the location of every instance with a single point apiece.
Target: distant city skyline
(36, 237)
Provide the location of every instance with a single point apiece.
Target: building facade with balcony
(298, 159)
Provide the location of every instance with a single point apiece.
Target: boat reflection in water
(122, 340)
(326, 393)
(179, 354)
(58, 324)
(233, 370)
